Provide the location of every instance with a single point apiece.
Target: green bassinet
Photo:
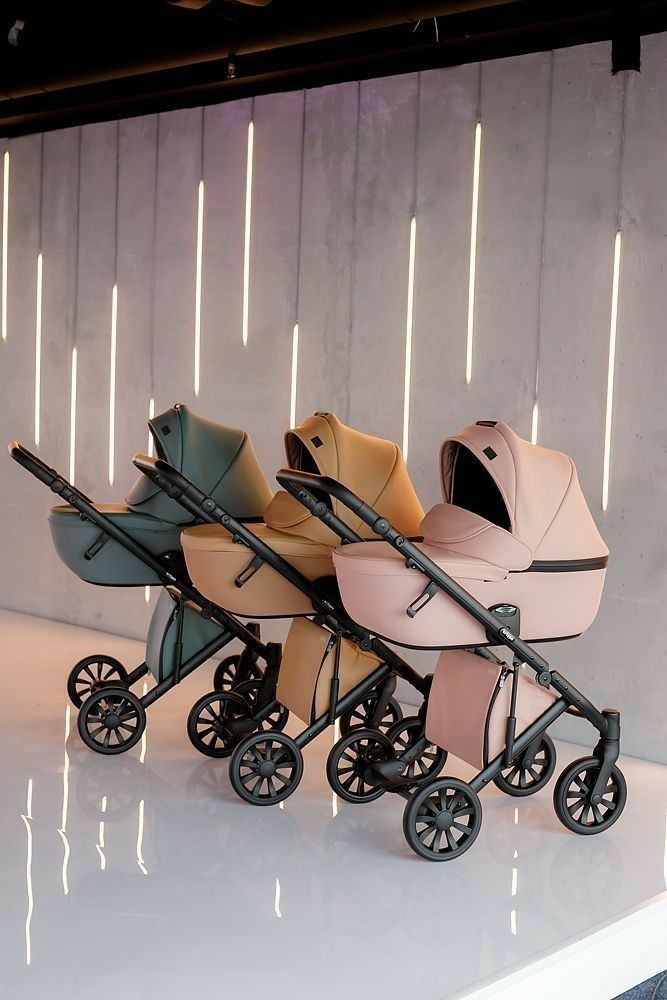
(221, 459)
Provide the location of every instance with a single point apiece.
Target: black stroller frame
(396, 769)
(450, 797)
(111, 706)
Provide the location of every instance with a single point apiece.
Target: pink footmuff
(514, 529)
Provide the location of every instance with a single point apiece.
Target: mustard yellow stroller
(331, 667)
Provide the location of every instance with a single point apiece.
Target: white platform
(180, 890)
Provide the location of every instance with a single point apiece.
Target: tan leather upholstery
(214, 562)
(304, 682)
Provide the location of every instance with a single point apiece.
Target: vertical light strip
(5, 241)
(200, 251)
(295, 372)
(248, 220)
(513, 922)
(515, 880)
(63, 819)
(535, 423)
(473, 252)
(28, 873)
(38, 347)
(276, 902)
(140, 839)
(72, 418)
(112, 384)
(100, 837)
(610, 370)
(408, 337)
(151, 414)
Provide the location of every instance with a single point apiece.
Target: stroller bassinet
(514, 529)
(222, 458)
(223, 570)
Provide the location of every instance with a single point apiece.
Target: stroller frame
(304, 487)
(107, 697)
(326, 613)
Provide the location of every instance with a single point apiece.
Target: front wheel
(92, 674)
(530, 771)
(578, 808)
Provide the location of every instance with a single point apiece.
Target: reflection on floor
(144, 875)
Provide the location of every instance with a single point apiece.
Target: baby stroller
(331, 667)
(137, 544)
(513, 551)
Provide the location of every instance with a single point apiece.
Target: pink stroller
(513, 551)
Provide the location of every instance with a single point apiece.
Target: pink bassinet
(514, 529)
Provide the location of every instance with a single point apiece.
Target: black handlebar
(40, 470)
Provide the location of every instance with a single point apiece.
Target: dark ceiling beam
(466, 35)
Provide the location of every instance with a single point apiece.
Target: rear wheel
(209, 728)
(442, 820)
(92, 674)
(432, 759)
(362, 715)
(277, 720)
(111, 721)
(350, 765)
(266, 768)
(224, 678)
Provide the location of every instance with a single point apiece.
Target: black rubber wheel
(266, 768)
(111, 721)
(360, 716)
(208, 728)
(442, 820)
(224, 678)
(350, 765)
(430, 763)
(527, 774)
(92, 674)
(277, 720)
(573, 800)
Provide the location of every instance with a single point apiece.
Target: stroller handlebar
(300, 485)
(173, 483)
(33, 464)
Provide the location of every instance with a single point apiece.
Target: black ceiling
(80, 61)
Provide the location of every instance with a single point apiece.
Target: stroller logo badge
(506, 634)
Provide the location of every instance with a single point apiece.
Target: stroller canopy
(492, 477)
(371, 467)
(219, 460)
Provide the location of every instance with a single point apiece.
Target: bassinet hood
(530, 491)
(371, 467)
(219, 460)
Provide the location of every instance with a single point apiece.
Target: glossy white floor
(144, 876)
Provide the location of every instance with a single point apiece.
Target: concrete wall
(569, 154)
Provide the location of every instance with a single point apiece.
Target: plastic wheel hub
(111, 721)
(267, 769)
(444, 820)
